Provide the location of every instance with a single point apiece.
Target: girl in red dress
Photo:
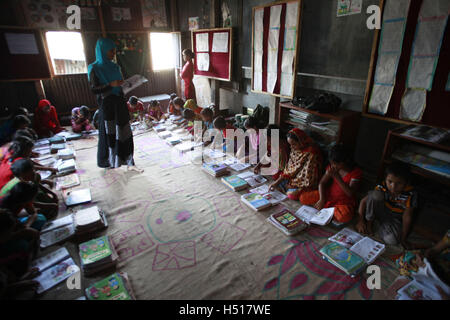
(187, 74)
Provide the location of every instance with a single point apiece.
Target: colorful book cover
(346, 259)
(235, 182)
(256, 200)
(95, 250)
(110, 288)
(56, 274)
(288, 220)
(214, 168)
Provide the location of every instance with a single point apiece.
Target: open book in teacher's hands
(133, 82)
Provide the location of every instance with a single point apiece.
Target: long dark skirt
(115, 138)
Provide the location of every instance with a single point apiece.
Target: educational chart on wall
(389, 52)
(431, 25)
(349, 7)
(274, 51)
(45, 13)
(154, 13)
(213, 53)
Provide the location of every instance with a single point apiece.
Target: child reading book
(301, 174)
(135, 108)
(338, 187)
(190, 117)
(80, 120)
(392, 205)
(46, 200)
(46, 122)
(283, 153)
(220, 123)
(250, 124)
(207, 115)
(154, 111)
(172, 109)
(21, 195)
(192, 105)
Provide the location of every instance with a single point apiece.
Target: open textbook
(55, 268)
(312, 215)
(364, 247)
(132, 83)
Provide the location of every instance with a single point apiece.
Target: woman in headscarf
(115, 145)
(46, 123)
(303, 168)
(187, 74)
(191, 104)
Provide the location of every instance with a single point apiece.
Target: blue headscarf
(105, 70)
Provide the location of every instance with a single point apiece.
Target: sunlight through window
(163, 51)
(67, 52)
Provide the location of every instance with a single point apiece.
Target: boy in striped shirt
(392, 205)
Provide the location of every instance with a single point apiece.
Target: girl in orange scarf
(46, 121)
(302, 171)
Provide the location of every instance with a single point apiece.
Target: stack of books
(216, 170)
(274, 197)
(41, 143)
(159, 128)
(343, 258)
(45, 160)
(54, 148)
(57, 140)
(66, 154)
(42, 151)
(287, 222)
(235, 183)
(114, 287)
(164, 135)
(253, 180)
(65, 166)
(89, 220)
(97, 255)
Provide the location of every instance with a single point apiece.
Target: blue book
(343, 258)
(235, 183)
(255, 201)
(215, 169)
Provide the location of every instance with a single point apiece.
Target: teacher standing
(187, 74)
(115, 144)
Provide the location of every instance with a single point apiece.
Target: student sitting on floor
(20, 149)
(207, 116)
(301, 174)
(19, 196)
(46, 121)
(136, 109)
(46, 200)
(191, 104)
(250, 124)
(439, 257)
(190, 117)
(220, 123)
(154, 111)
(20, 122)
(172, 109)
(80, 120)
(18, 247)
(338, 187)
(283, 153)
(392, 205)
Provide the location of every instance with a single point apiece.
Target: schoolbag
(322, 102)
(262, 115)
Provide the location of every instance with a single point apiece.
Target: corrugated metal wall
(69, 91)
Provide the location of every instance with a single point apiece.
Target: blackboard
(330, 45)
(29, 60)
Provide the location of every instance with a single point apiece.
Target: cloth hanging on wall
(274, 48)
(389, 52)
(430, 32)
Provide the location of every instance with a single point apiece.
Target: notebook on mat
(76, 197)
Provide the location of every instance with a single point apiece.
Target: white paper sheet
(257, 81)
(421, 73)
(379, 101)
(368, 249)
(202, 42)
(394, 9)
(258, 50)
(392, 36)
(290, 39)
(203, 61)
(292, 14)
(413, 105)
(286, 85)
(275, 16)
(21, 43)
(220, 42)
(386, 69)
(429, 37)
(434, 8)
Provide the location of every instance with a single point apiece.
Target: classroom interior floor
(181, 234)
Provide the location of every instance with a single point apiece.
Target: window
(163, 51)
(66, 52)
